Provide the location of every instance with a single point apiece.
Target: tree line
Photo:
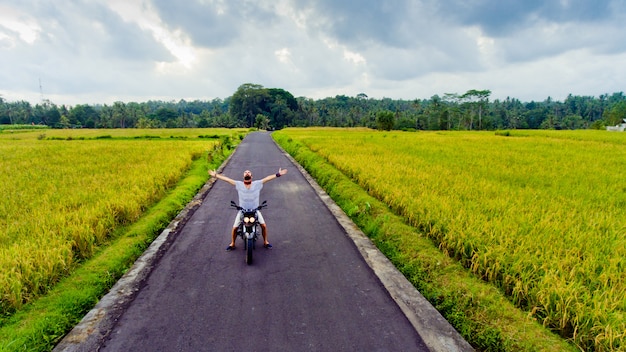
(253, 105)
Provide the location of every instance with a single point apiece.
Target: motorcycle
(248, 228)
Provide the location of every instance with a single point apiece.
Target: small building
(619, 128)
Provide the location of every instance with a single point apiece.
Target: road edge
(438, 334)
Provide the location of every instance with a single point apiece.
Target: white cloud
(283, 55)
(353, 57)
(18, 22)
(176, 42)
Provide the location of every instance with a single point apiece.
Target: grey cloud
(358, 23)
(213, 25)
(92, 29)
(540, 41)
(402, 65)
(502, 17)
(86, 51)
(81, 47)
(400, 39)
(416, 24)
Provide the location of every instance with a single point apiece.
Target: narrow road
(312, 292)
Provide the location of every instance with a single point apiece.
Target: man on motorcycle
(249, 196)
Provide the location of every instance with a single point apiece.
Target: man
(249, 196)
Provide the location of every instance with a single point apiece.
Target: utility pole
(41, 91)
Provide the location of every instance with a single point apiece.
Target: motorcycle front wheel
(249, 244)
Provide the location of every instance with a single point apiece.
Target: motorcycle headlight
(246, 219)
(252, 219)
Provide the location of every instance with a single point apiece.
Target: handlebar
(234, 205)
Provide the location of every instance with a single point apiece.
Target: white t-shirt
(249, 198)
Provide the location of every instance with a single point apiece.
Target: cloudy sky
(102, 51)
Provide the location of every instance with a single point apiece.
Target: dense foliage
(252, 105)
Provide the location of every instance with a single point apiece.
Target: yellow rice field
(62, 198)
(540, 214)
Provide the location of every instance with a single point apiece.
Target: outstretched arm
(213, 173)
(278, 174)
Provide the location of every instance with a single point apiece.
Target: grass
(21, 128)
(127, 133)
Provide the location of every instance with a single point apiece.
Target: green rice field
(541, 215)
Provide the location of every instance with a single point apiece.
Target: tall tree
(119, 114)
(282, 107)
(477, 100)
(616, 114)
(248, 101)
(434, 113)
(385, 120)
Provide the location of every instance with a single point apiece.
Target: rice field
(539, 214)
(64, 193)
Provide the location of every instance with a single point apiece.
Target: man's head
(247, 176)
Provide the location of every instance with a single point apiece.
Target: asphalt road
(313, 291)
